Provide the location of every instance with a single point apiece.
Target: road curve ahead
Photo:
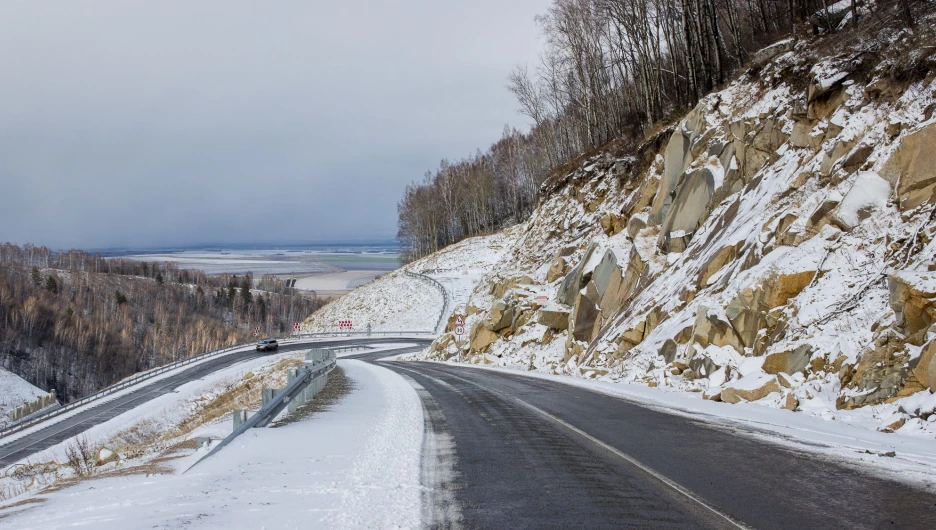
(533, 453)
(95, 414)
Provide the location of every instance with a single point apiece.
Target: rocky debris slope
(775, 245)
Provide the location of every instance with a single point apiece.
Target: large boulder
(688, 210)
(557, 269)
(501, 316)
(585, 319)
(553, 318)
(574, 281)
(913, 299)
(750, 388)
(911, 169)
(789, 361)
(614, 295)
(481, 337)
(604, 272)
(711, 329)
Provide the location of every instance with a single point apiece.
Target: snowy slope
(398, 302)
(14, 391)
(353, 466)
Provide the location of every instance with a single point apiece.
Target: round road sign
(459, 330)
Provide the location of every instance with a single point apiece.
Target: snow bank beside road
(354, 466)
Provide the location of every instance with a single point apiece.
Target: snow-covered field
(353, 466)
(14, 391)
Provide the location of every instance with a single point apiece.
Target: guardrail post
(240, 416)
(266, 394)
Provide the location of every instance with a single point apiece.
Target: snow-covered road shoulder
(356, 465)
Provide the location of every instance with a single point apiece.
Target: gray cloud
(136, 123)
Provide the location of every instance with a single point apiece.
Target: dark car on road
(267, 345)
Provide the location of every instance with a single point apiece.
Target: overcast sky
(149, 123)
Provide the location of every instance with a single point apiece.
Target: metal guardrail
(149, 374)
(445, 297)
(142, 376)
(268, 412)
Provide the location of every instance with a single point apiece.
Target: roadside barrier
(445, 297)
(149, 374)
(303, 384)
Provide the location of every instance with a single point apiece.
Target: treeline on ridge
(610, 70)
(77, 322)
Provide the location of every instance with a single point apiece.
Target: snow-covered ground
(353, 466)
(395, 302)
(460, 267)
(14, 391)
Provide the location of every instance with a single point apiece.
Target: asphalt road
(90, 416)
(531, 453)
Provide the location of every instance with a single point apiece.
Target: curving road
(94, 414)
(532, 453)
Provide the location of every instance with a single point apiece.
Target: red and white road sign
(541, 300)
(257, 332)
(345, 325)
(459, 330)
(459, 320)
(296, 327)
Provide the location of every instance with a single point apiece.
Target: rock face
(925, 367)
(676, 159)
(881, 374)
(755, 224)
(912, 168)
(749, 311)
(573, 281)
(750, 388)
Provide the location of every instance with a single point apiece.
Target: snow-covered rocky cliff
(775, 245)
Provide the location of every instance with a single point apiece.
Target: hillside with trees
(612, 73)
(77, 322)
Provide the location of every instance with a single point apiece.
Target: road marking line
(631, 460)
